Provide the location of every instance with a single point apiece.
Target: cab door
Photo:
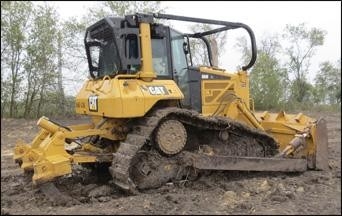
(188, 79)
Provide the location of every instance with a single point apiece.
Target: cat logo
(158, 90)
(92, 101)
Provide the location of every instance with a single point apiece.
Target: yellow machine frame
(112, 100)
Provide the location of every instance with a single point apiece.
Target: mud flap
(320, 137)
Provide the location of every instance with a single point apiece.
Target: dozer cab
(157, 117)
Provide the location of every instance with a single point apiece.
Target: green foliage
(14, 21)
(328, 83)
(265, 83)
(270, 82)
(267, 79)
(28, 59)
(301, 91)
(14, 18)
(299, 51)
(41, 66)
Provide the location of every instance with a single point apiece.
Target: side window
(180, 65)
(178, 55)
(131, 50)
(95, 56)
(108, 61)
(159, 56)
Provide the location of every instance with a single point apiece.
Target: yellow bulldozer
(157, 117)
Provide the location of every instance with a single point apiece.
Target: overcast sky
(263, 17)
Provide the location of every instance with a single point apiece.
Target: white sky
(263, 17)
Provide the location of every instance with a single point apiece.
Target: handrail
(229, 25)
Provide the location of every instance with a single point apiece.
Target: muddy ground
(312, 192)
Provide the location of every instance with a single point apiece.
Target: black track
(245, 141)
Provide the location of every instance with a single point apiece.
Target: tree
(61, 97)
(73, 57)
(266, 76)
(328, 83)
(122, 8)
(14, 20)
(41, 66)
(199, 50)
(300, 49)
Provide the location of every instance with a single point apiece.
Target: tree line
(37, 46)
(279, 78)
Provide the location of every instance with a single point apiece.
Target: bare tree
(61, 97)
(199, 51)
(302, 44)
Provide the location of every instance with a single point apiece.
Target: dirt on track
(311, 192)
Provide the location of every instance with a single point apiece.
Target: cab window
(159, 56)
(108, 62)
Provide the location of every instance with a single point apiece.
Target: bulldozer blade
(207, 162)
(320, 137)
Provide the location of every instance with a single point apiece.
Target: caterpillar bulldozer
(157, 117)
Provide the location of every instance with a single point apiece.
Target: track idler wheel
(171, 137)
